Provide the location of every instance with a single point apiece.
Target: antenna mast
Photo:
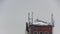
(52, 20)
(32, 17)
(29, 18)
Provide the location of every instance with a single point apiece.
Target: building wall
(41, 28)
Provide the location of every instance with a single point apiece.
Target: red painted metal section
(41, 28)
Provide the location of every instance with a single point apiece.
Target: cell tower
(40, 26)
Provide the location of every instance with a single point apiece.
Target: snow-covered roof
(40, 22)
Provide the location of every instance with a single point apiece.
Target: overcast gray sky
(13, 14)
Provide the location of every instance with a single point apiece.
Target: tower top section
(39, 22)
